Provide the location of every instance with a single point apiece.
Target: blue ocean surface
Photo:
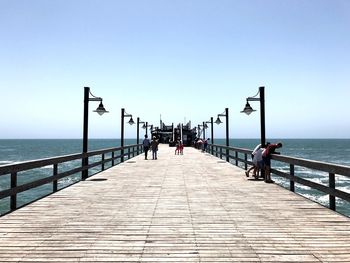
(325, 150)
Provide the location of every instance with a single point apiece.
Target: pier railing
(288, 170)
(106, 158)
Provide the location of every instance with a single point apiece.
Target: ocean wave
(4, 149)
(345, 189)
(46, 167)
(322, 199)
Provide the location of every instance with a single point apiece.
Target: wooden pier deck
(188, 208)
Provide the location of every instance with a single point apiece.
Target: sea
(13, 151)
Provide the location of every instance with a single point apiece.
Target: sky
(181, 59)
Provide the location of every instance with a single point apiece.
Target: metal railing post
(332, 204)
(291, 181)
(55, 171)
(13, 199)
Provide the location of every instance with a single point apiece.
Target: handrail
(22, 166)
(14, 169)
(330, 168)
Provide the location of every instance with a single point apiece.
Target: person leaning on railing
(257, 161)
(266, 155)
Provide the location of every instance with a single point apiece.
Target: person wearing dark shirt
(146, 144)
(266, 155)
(154, 147)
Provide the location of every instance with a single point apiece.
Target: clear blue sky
(183, 59)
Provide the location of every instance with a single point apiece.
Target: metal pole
(147, 128)
(212, 129)
(172, 131)
(122, 136)
(84, 173)
(137, 135)
(203, 131)
(212, 134)
(181, 127)
(227, 136)
(262, 115)
(199, 136)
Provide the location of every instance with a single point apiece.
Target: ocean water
(326, 150)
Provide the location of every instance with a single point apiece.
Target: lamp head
(131, 121)
(100, 109)
(247, 109)
(144, 126)
(218, 121)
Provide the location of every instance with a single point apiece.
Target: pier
(180, 208)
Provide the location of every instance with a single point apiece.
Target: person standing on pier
(181, 147)
(146, 143)
(154, 147)
(257, 161)
(266, 155)
(205, 145)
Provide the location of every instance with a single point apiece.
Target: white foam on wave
(345, 189)
(322, 199)
(47, 167)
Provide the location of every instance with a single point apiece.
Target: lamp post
(211, 132)
(138, 132)
(218, 121)
(199, 130)
(248, 110)
(204, 127)
(131, 122)
(100, 110)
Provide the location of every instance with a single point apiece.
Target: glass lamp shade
(218, 121)
(131, 121)
(247, 109)
(100, 109)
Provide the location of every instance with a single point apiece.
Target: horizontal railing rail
(240, 156)
(12, 170)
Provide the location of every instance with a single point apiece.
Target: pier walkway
(179, 208)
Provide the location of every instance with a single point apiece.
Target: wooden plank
(179, 208)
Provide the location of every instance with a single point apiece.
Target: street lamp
(199, 130)
(138, 128)
(248, 110)
(211, 132)
(131, 122)
(138, 132)
(100, 110)
(218, 121)
(205, 126)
